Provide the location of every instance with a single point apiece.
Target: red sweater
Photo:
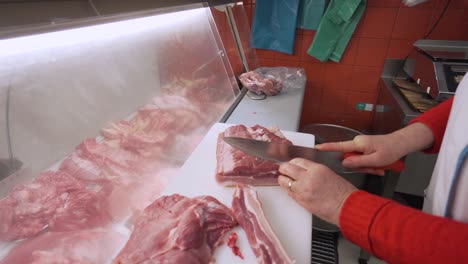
(399, 234)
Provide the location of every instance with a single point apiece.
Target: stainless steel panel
(392, 113)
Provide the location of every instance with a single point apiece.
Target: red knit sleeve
(399, 234)
(436, 119)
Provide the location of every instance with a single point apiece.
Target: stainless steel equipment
(392, 113)
(439, 66)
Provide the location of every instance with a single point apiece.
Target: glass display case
(111, 106)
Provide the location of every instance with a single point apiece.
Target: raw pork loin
(177, 229)
(234, 166)
(248, 212)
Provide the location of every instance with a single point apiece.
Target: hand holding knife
(280, 152)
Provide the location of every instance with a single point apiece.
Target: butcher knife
(280, 152)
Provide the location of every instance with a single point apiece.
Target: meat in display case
(97, 115)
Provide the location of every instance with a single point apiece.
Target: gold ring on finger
(290, 183)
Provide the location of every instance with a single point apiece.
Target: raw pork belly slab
(248, 212)
(177, 229)
(84, 247)
(29, 208)
(236, 167)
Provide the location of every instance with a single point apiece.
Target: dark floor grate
(324, 247)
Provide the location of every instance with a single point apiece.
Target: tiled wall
(387, 30)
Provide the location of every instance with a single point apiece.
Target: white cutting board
(291, 223)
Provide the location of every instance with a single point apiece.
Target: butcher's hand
(382, 150)
(315, 187)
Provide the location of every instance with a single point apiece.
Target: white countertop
(197, 177)
(283, 110)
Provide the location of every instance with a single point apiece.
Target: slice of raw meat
(236, 167)
(28, 208)
(232, 243)
(86, 246)
(178, 229)
(248, 212)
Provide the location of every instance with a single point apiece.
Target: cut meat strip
(236, 167)
(248, 212)
(28, 208)
(231, 242)
(87, 246)
(177, 229)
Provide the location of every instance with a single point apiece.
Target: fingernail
(347, 162)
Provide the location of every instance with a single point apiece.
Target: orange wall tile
(387, 30)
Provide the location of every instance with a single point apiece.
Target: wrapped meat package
(272, 80)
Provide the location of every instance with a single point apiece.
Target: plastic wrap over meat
(126, 180)
(29, 208)
(272, 80)
(259, 84)
(235, 167)
(167, 81)
(84, 247)
(177, 229)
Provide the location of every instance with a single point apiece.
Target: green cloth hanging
(336, 28)
(310, 13)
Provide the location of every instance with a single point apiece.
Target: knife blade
(280, 152)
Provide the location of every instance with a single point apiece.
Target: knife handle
(397, 166)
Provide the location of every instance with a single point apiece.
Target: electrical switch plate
(364, 106)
